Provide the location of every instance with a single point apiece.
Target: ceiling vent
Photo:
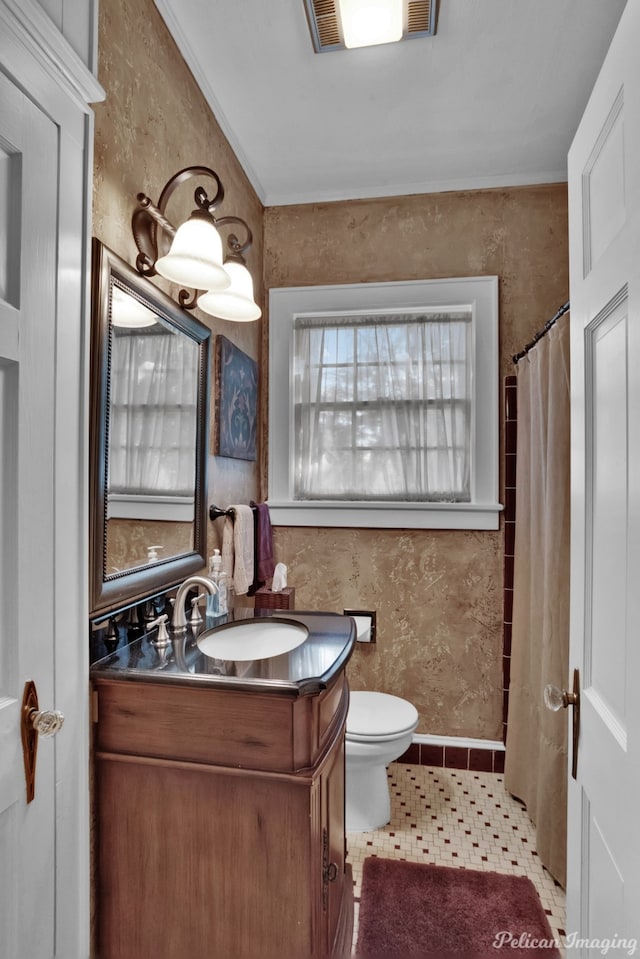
(419, 20)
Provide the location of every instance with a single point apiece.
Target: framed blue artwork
(236, 401)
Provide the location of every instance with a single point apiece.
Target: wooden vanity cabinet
(220, 823)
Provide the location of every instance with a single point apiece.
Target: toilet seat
(379, 717)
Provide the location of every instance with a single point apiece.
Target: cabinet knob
(331, 872)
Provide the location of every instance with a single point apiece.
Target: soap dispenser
(152, 553)
(217, 605)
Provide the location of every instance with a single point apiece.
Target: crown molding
(26, 25)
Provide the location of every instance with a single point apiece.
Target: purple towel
(265, 564)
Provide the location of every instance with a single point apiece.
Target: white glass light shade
(237, 302)
(366, 23)
(195, 257)
(128, 312)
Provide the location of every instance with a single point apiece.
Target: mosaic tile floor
(454, 817)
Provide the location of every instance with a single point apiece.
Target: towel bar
(215, 512)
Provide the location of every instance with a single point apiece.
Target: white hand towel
(237, 548)
(228, 552)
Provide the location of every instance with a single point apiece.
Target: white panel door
(28, 263)
(603, 886)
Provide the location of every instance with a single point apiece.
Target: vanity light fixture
(195, 257)
(236, 302)
(192, 255)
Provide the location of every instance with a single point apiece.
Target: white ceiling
(492, 100)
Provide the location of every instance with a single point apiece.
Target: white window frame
(480, 294)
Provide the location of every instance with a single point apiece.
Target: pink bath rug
(415, 909)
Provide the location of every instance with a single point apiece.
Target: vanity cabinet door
(337, 889)
(225, 861)
(202, 862)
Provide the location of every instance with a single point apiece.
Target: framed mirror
(149, 429)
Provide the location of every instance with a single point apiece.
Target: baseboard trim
(455, 752)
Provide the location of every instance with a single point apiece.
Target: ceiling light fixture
(342, 24)
(192, 255)
(366, 23)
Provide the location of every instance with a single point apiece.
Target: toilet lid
(379, 714)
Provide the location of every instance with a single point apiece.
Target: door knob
(46, 722)
(556, 699)
(35, 722)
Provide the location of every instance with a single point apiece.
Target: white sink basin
(251, 639)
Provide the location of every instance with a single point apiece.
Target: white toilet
(380, 728)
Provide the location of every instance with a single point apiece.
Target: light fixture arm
(237, 248)
(200, 195)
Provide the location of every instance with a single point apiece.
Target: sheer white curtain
(383, 407)
(152, 419)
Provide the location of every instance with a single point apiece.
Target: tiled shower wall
(509, 516)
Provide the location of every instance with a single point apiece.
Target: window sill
(140, 506)
(386, 516)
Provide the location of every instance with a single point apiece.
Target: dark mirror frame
(118, 590)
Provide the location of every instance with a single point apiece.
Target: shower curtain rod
(541, 333)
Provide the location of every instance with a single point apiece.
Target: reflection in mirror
(152, 438)
(150, 388)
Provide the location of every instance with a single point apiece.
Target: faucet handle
(162, 639)
(195, 609)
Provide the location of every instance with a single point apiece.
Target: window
(384, 405)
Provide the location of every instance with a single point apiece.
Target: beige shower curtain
(536, 757)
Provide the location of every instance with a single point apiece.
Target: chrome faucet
(179, 622)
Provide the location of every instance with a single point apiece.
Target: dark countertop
(306, 670)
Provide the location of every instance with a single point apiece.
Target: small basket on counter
(265, 598)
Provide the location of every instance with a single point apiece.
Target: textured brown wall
(153, 123)
(438, 594)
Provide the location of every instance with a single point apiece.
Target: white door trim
(37, 57)
(28, 26)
